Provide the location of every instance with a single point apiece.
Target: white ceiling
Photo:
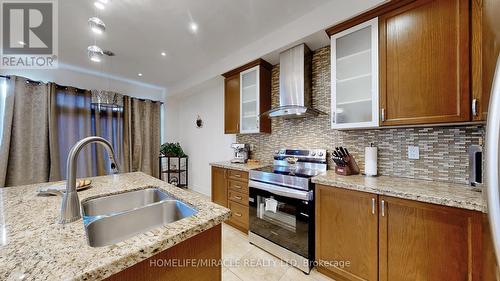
(139, 30)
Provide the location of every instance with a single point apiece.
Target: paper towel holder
(364, 174)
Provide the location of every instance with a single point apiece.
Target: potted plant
(172, 149)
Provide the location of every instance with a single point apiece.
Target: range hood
(295, 84)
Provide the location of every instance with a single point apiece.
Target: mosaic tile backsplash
(443, 150)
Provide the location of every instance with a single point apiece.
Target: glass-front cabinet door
(249, 97)
(354, 57)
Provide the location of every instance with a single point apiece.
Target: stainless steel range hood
(295, 84)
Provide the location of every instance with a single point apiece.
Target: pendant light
(95, 53)
(97, 25)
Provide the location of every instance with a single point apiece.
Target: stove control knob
(313, 153)
(282, 152)
(320, 154)
(276, 151)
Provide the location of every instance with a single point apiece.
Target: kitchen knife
(339, 152)
(335, 154)
(344, 154)
(347, 152)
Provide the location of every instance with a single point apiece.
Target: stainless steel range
(282, 205)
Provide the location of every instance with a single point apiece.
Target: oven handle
(282, 191)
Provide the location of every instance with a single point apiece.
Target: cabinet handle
(237, 197)
(237, 186)
(373, 206)
(238, 126)
(474, 107)
(237, 175)
(237, 214)
(383, 114)
(382, 206)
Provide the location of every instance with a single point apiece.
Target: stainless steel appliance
(241, 151)
(491, 23)
(281, 201)
(295, 84)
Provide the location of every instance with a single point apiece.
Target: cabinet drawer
(238, 186)
(237, 175)
(239, 214)
(238, 197)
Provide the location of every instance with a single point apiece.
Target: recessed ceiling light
(95, 53)
(163, 54)
(97, 25)
(104, 1)
(193, 26)
(21, 43)
(139, 74)
(99, 5)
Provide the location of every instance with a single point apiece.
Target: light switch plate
(413, 152)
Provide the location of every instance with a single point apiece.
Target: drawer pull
(237, 214)
(237, 197)
(237, 186)
(237, 175)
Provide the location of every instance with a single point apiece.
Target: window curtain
(108, 122)
(24, 151)
(142, 135)
(73, 117)
(43, 121)
(70, 121)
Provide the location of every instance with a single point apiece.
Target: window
(3, 96)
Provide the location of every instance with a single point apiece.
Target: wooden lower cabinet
(230, 189)
(346, 231)
(219, 186)
(239, 216)
(396, 239)
(204, 247)
(420, 241)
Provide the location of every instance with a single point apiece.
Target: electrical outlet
(413, 152)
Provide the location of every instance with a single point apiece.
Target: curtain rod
(78, 89)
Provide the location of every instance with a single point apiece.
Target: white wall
(204, 145)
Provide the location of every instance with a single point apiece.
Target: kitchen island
(34, 246)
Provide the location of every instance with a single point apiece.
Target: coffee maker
(241, 151)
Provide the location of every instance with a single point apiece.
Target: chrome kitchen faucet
(70, 208)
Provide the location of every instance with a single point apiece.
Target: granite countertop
(237, 166)
(34, 246)
(446, 194)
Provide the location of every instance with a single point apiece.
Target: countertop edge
(236, 166)
(462, 204)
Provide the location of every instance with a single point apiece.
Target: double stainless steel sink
(114, 218)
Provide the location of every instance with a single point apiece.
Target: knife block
(350, 169)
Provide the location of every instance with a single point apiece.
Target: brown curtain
(24, 152)
(108, 122)
(70, 121)
(43, 121)
(142, 135)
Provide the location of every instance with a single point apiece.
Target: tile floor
(245, 262)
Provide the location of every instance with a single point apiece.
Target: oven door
(284, 216)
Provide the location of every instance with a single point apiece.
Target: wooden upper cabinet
(424, 63)
(247, 94)
(346, 230)
(232, 104)
(420, 241)
(219, 186)
(485, 50)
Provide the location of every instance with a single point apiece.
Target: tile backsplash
(443, 150)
